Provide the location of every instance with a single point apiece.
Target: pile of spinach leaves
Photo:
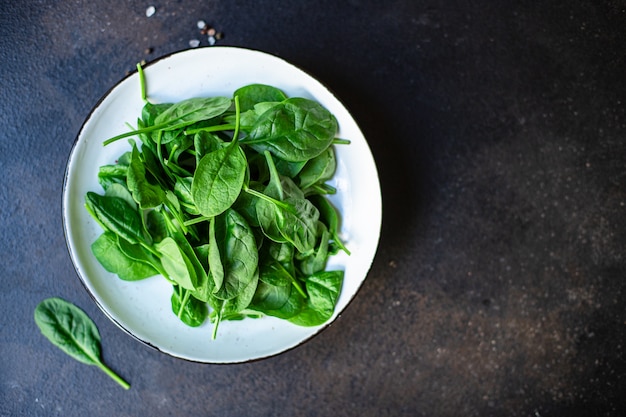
(226, 198)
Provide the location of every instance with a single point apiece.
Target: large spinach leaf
(297, 129)
(218, 180)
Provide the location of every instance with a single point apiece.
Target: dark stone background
(498, 130)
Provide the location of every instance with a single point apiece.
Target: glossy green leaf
(295, 130)
(70, 329)
(193, 110)
(218, 180)
(238, 253)
(323, 289)
(179, 268)
(116, 261)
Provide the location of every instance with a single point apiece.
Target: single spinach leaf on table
(70, 329)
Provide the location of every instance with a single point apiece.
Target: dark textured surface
(499, 133)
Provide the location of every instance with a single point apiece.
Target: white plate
(143, 308)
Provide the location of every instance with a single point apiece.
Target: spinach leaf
(295, 130)
(316, 261)
(323, 289)
(252, 94)
(319, 169)
(69, 328)
(182, 190)
(250, 117)
(177, 265)
(237, 251)
(191, 311)
(204, 143)
(218, 180)
(156, 225)
(282, 301)
(120, 190)
(180, 115)
(140, 254)
(145, 193)
(215, 257)
(193, 110)
(234, 308)
(115, 215)
(150, 112)
(112, 174)
(298, 223)
(330, 217)
(106, 250)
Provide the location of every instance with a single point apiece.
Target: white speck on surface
(150, 11)
(194, 43)
(211, 40)
(201, 24)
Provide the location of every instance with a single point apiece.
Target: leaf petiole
(142, 82)
(113, 375)
(216, 128)
(339, 141)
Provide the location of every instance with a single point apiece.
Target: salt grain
(201, 24)
(150, 11)
(211, 40)
(194, 43)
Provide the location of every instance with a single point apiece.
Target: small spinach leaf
(176, 263)
(193, 110)
(252, 94)
(218, 180)
(106, 250)
(238, 252)
(115, 215)
(70, 329)
(193, 313)
(323, 289)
